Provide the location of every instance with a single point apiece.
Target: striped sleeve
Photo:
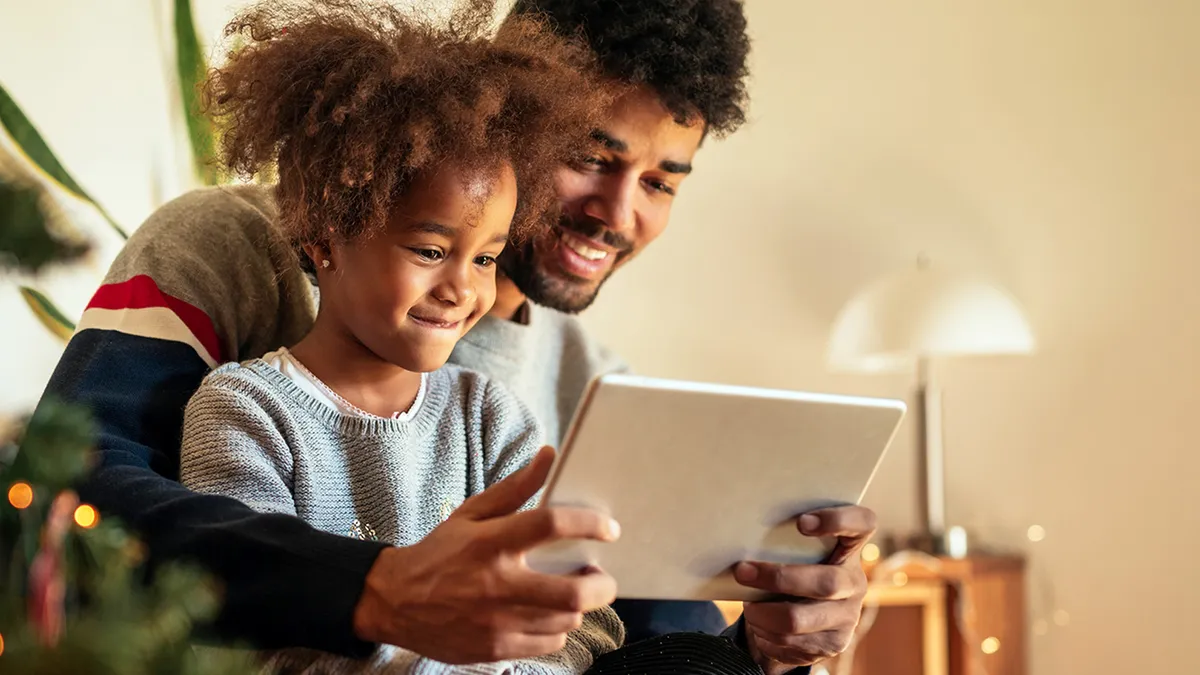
(206, 280)
(138, 307)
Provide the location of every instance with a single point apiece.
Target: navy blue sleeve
(286, 584)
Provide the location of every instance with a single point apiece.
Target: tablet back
(702, 476)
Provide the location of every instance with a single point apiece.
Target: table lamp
(910, 319)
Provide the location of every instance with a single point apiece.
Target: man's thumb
(510, 494)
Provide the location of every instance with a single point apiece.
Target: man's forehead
(640, 126)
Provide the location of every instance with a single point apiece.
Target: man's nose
(615, 204)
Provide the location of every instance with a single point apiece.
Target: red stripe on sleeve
(140, 292)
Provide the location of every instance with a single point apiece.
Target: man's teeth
(584, 250)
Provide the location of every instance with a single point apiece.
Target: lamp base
(953, 543)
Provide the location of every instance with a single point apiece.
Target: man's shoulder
(243, 211)
(213, 223)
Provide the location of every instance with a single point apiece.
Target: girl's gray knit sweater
(252, 434)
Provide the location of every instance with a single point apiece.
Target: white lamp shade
(923, 313)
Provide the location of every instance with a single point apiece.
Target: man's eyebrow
(675, 167)
(609, 141)
(618, 145)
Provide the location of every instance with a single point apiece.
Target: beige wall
(1051, 144)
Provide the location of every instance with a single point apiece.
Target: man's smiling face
(614, 201)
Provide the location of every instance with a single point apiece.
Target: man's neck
(510, 301)
(354, 372)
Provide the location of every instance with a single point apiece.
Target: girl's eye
(431, 254)
(485, 261)
(590, 163)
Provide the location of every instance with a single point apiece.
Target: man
(204, 281)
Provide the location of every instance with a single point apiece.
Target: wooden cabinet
(939, 616)
(942, 616)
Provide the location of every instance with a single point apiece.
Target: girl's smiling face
(409, 294)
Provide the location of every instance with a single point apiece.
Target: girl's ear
(320, 255)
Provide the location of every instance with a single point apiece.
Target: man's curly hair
(692, 53)
(350, 100)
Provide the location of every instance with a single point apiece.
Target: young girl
(407, 156)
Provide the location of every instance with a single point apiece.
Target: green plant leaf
(31, 144)
(27, 241)
(50, 316)
(192, 69)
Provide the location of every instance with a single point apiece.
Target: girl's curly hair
(352, 99)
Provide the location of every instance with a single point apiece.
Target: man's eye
(431, 254)
(661, 187)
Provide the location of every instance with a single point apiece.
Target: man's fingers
(816, 582)
(839, 521)
(797, 619)
(852, 525)
(568, 593)
(510, 494)
(528, 529)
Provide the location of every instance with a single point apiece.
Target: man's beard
(523, 266)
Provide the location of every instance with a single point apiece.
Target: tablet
(701, 476)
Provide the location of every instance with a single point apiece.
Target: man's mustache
(591, 228)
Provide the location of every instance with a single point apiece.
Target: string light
(1041, 627)
(1, 644)
(990, 645)
(86, 516)
(899, 579)
(20, 495)
(1062, 618)
(1036, 533)
(870, 553)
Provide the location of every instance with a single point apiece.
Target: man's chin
(565, 296)
(541, 286)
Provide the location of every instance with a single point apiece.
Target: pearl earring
(325, 263)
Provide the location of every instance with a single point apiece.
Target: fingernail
(614, 529)
(746, 572)
(809, 523)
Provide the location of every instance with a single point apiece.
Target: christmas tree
(75, 594)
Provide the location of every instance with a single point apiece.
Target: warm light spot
(1036, 533)
(990, 645)
(870, 553)
(1, 644)
(1041, 627)
(899, 579)
(86, 516)
(20, 495)
(1062, 618)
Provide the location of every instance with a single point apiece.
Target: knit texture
(252, 434)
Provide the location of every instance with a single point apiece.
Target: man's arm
(198, 282)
